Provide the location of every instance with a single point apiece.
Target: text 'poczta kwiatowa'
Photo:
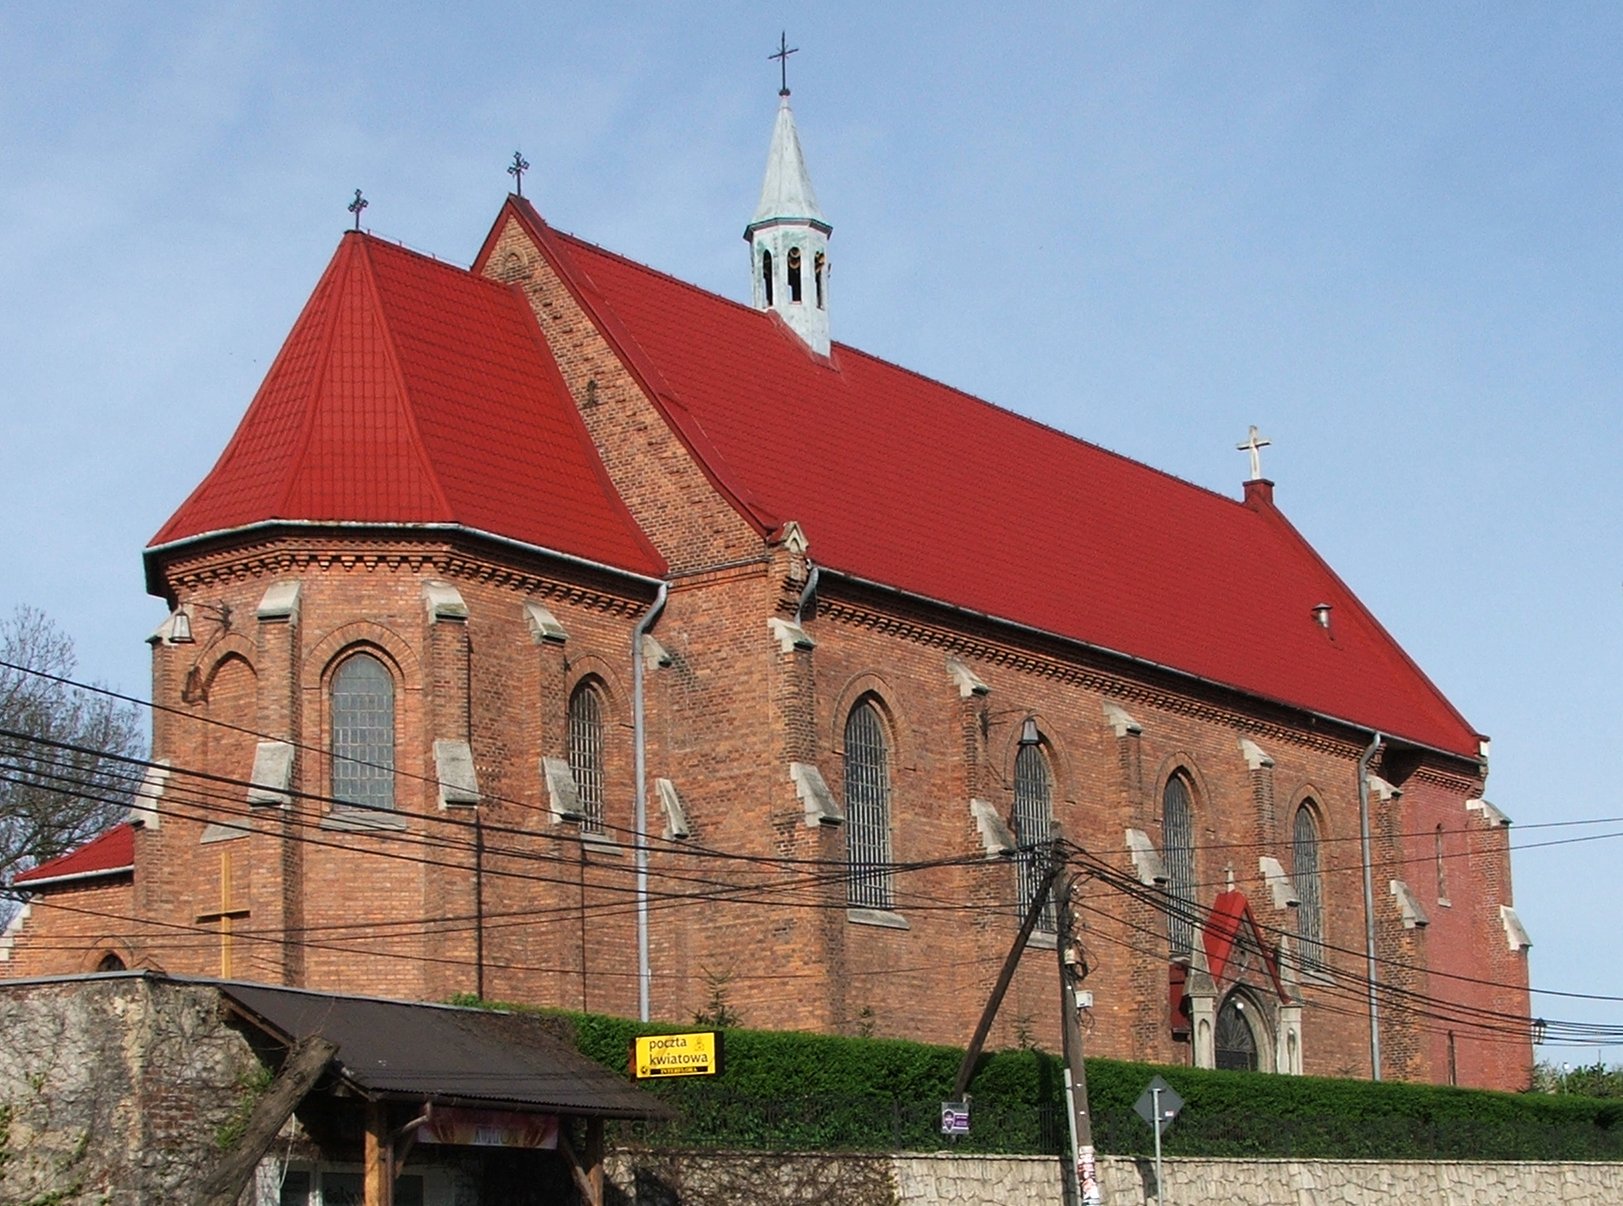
(676, 1055)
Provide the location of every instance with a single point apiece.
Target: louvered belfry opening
(1033, 815)
(867, 808)
(586, 754)
(1178, 842)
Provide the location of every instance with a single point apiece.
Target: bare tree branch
(53, 799)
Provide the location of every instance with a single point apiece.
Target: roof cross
(784, 51)
(1254, 444)
(356, 206)
(516, 170)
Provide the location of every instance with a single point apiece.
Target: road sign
(955, 1117)
(1161, 1098)
(676, 1055)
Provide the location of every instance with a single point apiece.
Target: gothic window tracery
(1033, 815)
(586, 753)
(867, 807)
(1309, 884)
(1178, 844)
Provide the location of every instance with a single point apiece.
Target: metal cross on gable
(356, 206)
(784, 51)
(516, 170)
(1254, 444)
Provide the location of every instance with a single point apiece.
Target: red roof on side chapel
(112, 851)
(412, 392)
(911, 484)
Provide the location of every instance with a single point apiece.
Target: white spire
(786, 192)
(788, 238)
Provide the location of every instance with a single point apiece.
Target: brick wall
(752, 906)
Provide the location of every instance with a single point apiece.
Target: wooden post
(594, 1160)
(375, 1162)
(303, 1067)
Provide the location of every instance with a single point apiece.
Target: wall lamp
(180, 623)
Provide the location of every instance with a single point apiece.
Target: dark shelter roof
(446, 1053)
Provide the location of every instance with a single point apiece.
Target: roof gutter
(28, 885)
(360, 525)
(1147, 663)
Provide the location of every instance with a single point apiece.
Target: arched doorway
(1237, 1039)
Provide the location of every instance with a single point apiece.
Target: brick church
(555, 630)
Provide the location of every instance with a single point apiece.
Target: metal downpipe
(1369, 904)
(640, 836)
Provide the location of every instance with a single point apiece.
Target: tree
(60, 780)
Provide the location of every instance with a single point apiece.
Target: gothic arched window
(1309, 883)
(1235, 1039)
(1033, 814)
(766, 275)
(819, 267)
(867, 807)
(1442, 869)
(586, 753)
(1178, 846)
(363, 733)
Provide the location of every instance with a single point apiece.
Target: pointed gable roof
(904, 482)
(413, 392)
(110, 853)
(1230, 928)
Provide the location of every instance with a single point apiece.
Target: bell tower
(788, 236)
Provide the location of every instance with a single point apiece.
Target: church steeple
(788, 236)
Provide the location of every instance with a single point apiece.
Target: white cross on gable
(1254, 444)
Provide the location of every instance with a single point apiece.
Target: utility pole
(1073, 969)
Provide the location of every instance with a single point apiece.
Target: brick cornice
(282, 557)
(1108, 675)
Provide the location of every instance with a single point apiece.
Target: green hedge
(789, 1090)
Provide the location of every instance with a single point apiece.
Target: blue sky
(1389, 235)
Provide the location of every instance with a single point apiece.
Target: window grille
(1309, 886)
(363, 733)
(1235, 1040)
(586, 754)
(1033, 814)
(1178, 844)
(867, 809)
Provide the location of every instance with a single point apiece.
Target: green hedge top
(791, 1089)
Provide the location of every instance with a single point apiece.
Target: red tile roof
(906, 482)
(413, 392)
(112, 852)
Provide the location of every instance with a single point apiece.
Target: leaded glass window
(867, 808)
(1178, 845)
(1033, 814)
(1309, 883)
(586, 753)
(363, 733)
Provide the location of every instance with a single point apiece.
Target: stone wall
(115, 1095)
(694, 1179)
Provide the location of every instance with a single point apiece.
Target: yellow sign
(676, 1055)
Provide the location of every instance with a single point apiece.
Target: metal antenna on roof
(784, 51)
(516, 170)
(356, 206)
(1254, 444)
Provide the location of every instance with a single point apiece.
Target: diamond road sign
(1167, 1099)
